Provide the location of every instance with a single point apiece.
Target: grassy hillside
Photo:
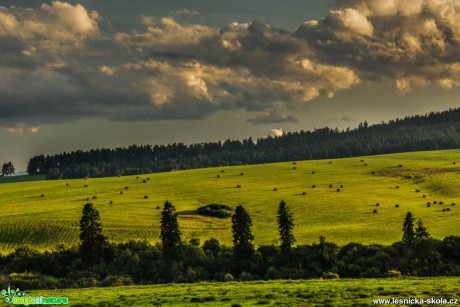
(28, 218)
(280, 293)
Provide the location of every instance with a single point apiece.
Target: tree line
(98, 262)
(431, 131)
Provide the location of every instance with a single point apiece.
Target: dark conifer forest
(431, 131)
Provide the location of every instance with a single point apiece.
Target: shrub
(454, 163)
(116, 281)
(215, 210)
(330, 162)
(228, 277)
(245, 276)
(448, 209)
(197, 300)
(148, 178)
(87, 198)
(361, 161)
(393, 274)
(428, 205)
(443, 210)
(373, 173)
(330, 275)
(66, 184)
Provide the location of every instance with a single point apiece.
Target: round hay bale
(313, 172)
(454, 163)
(42, 195)
(137, 177)
(144, 181)
(417, 191)
(304, 193)
(365, 164)
(241, 174)
(424, 196)
(85, 186)
(341, 186)
(447, 209)
(148, 178)
(94, 197)
(222, 171)
(294, 167)
(121, 192)
(428, 205)
(145, 197)
(126, 187)
(396, 206)
(111, 202)
(377, 204)
(66, 184)
(238, 186)
(375, 211)
(441, 203)
(397, 187)
(400, 165)
(218, 176)
(330, 185)
(435, 202)
(275, 189)
(313, 186)
(452, 204)
(158, 207)
(338, 190)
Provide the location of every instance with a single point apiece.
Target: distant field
(281, 293)
(342, 217)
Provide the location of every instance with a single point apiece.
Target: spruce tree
(285, 227)
(408, 229)
(169, 232)
(421, 232)
(242, 235)
(93, 242)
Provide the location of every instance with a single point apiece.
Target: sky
(106, 74)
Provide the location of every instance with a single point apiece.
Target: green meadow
(358, 292)
(44, 214)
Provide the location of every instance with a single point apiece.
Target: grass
(280, 293)
(342, 217)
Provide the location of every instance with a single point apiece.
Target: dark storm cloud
(56, 64)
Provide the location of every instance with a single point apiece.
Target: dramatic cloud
(412, 42)
(57, 64)
(277, 132)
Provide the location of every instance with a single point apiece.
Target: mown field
(281, 293)
(345, 216)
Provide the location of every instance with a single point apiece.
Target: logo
(16, 297)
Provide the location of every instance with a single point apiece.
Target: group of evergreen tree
(97, 262)
(7, 169)
(429, 132)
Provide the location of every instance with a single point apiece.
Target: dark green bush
(215, 210)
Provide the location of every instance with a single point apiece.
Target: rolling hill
(334, 198)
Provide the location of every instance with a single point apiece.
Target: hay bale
(294, 167)
(241, 174)
(121, 192)
(417, 191)
(313, 172)
(222, 171)
(218, 176)
(66, 184)
(397, 187)
(435, 202)
(341, 186)
(400, 165)
(396, 206)
(441, 203)
(424, 196)
(362, 161)
(94, 197)
(145, 197)
(148, 178)
(158, 207)
(375, 211)
(338, 190)
(365, 164)
(137, 177)
(144, 181)
(111, 202)
(313, 186)
(85, 186)
(42, 195)
(377, 204)
(447, 209)
(452, 204)
(304, 193)
(330, 185)
(126, 187)
(238, 186)
(330, 162)
(454, 163)
(275, 189)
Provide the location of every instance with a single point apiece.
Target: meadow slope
(27, 217)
